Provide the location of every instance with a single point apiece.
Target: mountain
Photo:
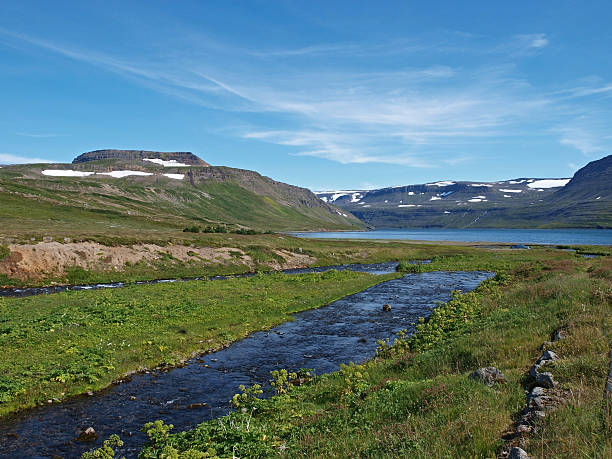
(135, 191)
(582, 201)
(592, 182)
(184, 157)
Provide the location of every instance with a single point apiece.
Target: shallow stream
(322, 339)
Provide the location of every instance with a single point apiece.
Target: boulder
(545, 380)
(547, 356)
(488, 376)
(88, 435)
(518, 453)
(558, 335)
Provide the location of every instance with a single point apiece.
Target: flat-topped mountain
(136, 188)
(179, 157)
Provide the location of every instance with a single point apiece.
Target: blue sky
(327, 95)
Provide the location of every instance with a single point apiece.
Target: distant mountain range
(582, 201)
(159, 190)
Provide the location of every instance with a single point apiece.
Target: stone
(488, 376)
(557, 335)
(547, 356)
(536, 403)
(194, 406)
(545, 380)
(386, 308)
(536, 392)
(524, 429)
(518, 453)
(545, 345)
(533, 371)
(87, 435)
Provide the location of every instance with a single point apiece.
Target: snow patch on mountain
(169, 163)
(66, 173)
(549, 183)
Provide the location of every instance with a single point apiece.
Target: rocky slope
(139, 155)
(583, 201)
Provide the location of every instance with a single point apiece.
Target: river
(343, 331)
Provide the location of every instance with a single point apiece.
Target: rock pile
(542, 395)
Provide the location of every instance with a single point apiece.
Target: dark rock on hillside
(593, 181)
(184, 157)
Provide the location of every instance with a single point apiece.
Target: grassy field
(415, 398)
(96, 337)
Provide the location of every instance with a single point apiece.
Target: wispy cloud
(536, 40)
(584, 140)
(38, 136)
(405, 115)
(7, 158)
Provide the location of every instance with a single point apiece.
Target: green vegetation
(96, 337)
(415, 398)
(4, 252)
(33, 205)
(264, 248)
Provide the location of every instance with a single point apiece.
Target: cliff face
(184, 157)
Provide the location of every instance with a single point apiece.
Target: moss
(4, 252)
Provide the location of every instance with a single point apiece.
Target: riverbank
(110, 260)
(416, 399)
(97, 337)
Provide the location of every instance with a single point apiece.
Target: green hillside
(35, 204)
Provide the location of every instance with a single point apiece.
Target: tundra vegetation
(415, 399)
(96, 337)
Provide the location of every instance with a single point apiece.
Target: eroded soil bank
(31, 262)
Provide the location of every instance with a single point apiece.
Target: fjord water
(321, 339)
(514, 236)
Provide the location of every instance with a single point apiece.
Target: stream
(373, 268)
(343, 331)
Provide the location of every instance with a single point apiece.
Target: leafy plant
(106, 451)
(248, 398)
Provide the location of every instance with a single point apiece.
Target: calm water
(516, 236)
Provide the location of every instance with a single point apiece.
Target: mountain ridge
(582, 201)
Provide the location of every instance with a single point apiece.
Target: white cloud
(538, 41)
(406, 116)
(7, 158)
(582, 139)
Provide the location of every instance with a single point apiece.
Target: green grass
(415, 398)
(262, 248)
(33, 205)
(96, 337)
(4, 252)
